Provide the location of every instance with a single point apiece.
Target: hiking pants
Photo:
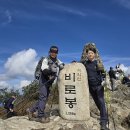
(10, 114)
(113, 85)
(97, 93)
(43, 96)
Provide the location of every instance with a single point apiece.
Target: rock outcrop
(118, 109)
(56, 123)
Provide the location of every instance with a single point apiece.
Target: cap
(54, 49)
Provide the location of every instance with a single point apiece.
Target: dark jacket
(94, 76)
(112, 74)
(10, 103)
(125, 80)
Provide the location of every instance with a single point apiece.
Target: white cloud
(8, 14)
(19, 69)
(18, 85)
(124, 68)
(110, 61)
(3, 84)
(70, 10)
(4, 77)
(113, 61)
(24, 83)
(124, 3)
(20, 65)
(59, 7)
(8, 17)
(99, 14)
(76, 11)
(128, 71)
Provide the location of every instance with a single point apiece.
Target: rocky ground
(118, 109)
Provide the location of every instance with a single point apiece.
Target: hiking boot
(30, 114)
(104, 127)
(41, 119)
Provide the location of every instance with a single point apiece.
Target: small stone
(56, 118)
(70, 125)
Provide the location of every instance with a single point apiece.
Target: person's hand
(61, 66)
(53, 68)
(104, 75)
(37, 77)
(11, 110)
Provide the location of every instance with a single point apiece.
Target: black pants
(11, 114)
(97, 93)
(43, 96)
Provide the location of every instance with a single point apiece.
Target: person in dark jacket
(126, 80)
(50, 68)
(96, 89)
(112, 78)
(10, 106)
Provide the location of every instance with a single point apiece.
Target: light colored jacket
(45, 65)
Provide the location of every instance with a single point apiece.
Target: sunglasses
(53, 51)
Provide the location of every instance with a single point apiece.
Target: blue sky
(29, 27)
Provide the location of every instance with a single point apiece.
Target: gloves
(11, 110)
(46, 72)
(53, 68)
(37, 76)
(103, 75)
(61, 66)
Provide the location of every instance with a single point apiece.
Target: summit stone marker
(74, 92)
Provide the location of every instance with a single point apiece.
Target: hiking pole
(55, 87)
(108, 117)
(107, 96)
(107, 102)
